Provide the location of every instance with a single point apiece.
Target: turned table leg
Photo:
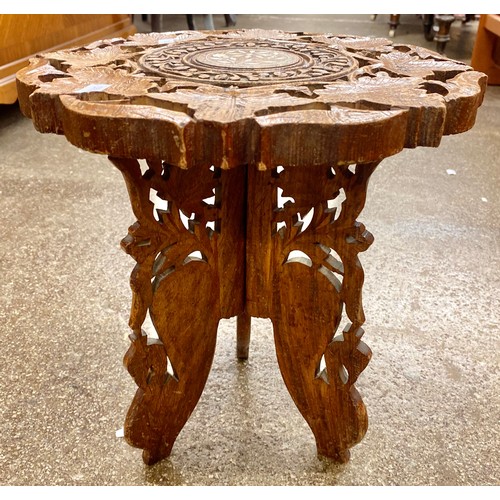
(442, 36)
(393, 24)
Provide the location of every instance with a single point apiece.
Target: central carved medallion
(245, 63)
(246, 58)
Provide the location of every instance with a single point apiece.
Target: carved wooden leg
(184, 311)
(189, 249)
(243, 327)
(316, 277)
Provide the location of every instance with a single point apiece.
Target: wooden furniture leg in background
(442, 37)
(428, 24)
(230, 19)
(208, 21)
(156, 23)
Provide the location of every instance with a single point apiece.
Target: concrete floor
(432, 301)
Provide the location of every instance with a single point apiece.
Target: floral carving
(322, 254)
(258, 146)
(206, 89)
(248, 62)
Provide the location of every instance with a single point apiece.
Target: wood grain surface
(192, 105)
(247, 156)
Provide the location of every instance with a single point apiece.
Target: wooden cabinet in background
(24, 35)
(486, 53)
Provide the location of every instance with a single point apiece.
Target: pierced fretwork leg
(171, 372)
(189, 248)
(316, 278)
(319, 372)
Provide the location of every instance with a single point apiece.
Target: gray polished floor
(431, 296)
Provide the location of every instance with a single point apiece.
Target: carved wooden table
(258, 147)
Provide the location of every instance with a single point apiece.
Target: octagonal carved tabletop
(247, 156)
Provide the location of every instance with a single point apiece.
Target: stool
(247, 156)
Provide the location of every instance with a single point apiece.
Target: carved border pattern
(412, 96)
(183, 60)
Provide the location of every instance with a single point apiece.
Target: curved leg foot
(319, 371)
(171, 385)
(150, 457)
(316, 281)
